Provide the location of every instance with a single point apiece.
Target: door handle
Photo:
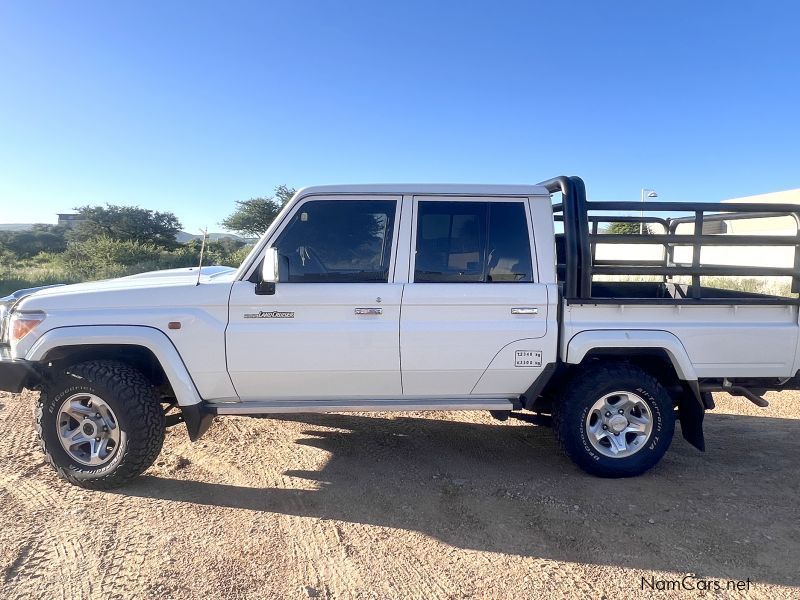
(369, 311)
(525, 310)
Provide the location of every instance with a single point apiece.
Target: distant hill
(184, 237)
(17, 226)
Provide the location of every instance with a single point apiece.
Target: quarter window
(472, 242)
(338, 241)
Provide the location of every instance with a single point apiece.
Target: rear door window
(472, 242)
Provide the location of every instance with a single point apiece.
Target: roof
(454, 189)
(766, 225)
(785, 197)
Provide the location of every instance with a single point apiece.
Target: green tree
(28, 243)
(252, 217)
(628, 228)
(127, 223)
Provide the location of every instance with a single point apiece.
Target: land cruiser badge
(271, 314)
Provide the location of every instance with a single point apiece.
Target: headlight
(7, 304)
(3, 322)
(22, 323)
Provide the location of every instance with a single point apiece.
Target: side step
(736, 390)
(359, 405)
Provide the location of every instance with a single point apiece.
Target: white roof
(420, 189)
(784, 197)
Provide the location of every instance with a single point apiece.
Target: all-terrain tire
(136, 407)
(588, 385)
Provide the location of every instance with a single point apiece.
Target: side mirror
(269, 273)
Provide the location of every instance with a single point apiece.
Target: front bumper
(15, 373)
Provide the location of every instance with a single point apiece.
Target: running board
(323, 406)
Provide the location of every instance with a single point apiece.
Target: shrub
(106, 257)
(7, 257)
(237, 258)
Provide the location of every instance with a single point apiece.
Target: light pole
(650, 194)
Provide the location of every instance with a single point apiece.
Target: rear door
(473, 315)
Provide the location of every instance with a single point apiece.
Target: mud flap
(197, 419)
(691, 411)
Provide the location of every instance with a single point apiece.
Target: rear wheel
(100, 424)
(614, 420)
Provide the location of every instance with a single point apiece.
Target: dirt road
(427, 505)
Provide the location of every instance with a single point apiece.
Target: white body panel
(719, 341)
(149, 301)
(323, 350)
(451, 333)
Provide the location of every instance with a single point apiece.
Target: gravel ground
(423, 505)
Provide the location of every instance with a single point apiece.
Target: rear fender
(691, 403)
(633, 339)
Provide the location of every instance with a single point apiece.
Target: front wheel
(100, 424)
(614, 420)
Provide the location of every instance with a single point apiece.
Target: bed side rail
(582, 222)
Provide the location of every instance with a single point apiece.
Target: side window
(338, 241)
(451, 242)
(472, 242)
(509, 253)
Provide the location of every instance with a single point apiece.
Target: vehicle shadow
(731, 513)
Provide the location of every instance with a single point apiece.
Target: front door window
(338, 241)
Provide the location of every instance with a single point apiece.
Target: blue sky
(189, 106)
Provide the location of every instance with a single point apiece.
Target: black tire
(138, 412)
(583, 389)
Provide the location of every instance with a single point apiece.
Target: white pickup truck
(408, 298)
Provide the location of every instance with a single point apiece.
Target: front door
(331, 330)
(474, 317)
